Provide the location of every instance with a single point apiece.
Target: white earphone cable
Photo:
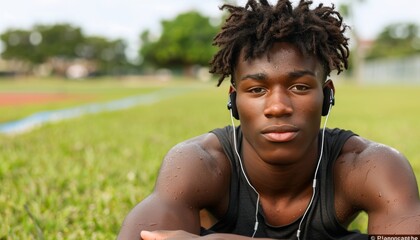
(314, 183)
(245, 176)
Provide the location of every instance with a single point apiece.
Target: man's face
(279, 100)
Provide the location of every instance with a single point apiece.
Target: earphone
(243, 172)
(328, 102)
(232, 105)
(331, 102)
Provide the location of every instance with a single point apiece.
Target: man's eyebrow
(256, 76)
(300, 73)
(291, 75)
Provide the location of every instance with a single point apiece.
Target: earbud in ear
(232, 105)
(328, 100)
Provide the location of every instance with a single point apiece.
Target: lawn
(78, 178)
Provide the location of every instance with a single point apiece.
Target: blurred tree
(109, 55)
(42, 42)
(17, 45)
(185, 41)
(396, 40)
(147, 57)
(357, 56)
(65, 42)
(58, 40)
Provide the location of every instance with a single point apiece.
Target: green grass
(77, 179)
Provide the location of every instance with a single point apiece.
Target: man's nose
(278, 104)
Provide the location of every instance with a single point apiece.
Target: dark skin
(279, 102)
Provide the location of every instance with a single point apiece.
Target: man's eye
(300, 88)
(257, 90)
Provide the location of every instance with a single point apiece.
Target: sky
(126, 19)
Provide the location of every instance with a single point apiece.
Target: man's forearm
(182, 235)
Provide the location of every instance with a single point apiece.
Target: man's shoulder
(202, 152)
(205, 146)
(360, 155)
(359, 151)
(198, 169)
(366, 169)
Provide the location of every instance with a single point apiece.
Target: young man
(278, 175)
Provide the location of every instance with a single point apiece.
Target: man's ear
(329, 83)
(231, 89)
(329, 100)
(232, 102)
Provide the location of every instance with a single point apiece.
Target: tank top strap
(333, 144)
(225, 136)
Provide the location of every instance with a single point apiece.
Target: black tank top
(320, 223)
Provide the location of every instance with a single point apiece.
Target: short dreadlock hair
(257, 26)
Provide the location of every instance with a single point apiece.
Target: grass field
(77, 179)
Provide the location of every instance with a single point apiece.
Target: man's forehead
(281, 53)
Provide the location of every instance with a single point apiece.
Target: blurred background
(79, 39)
(94, 93)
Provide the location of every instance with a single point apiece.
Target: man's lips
(280, 133)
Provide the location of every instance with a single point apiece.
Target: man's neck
(288, 179)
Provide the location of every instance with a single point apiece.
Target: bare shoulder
(193, 176)
(370, 176)
(360, 153)
(204, 152)
(198, 168)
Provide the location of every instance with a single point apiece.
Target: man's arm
(154, 213)
(182, 235)
(385, 187)
(192, 177)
